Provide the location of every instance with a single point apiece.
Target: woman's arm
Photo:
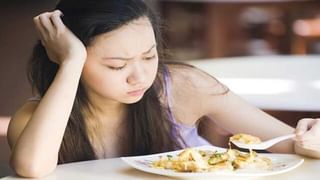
(198, 94)
(36, 131)
(237, 116)
(233, 113)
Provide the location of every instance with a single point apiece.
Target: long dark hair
(149, 129)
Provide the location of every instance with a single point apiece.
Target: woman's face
(122, 64)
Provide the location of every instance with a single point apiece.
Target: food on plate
(194, 160)
(245, 138)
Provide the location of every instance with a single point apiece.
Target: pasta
(245, 138)
(193, 160)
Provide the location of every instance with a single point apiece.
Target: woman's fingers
(307, 139)
(59, 41)
(303, 126)
(39, 29)
(56, 21)
(46, 24)
(309, 144)
(45, 21)
(308, 134)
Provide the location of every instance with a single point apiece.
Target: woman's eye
(116, 68)
(150, 57)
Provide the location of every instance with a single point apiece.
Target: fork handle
(281, 138)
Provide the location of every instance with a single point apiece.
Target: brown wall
(17, 37)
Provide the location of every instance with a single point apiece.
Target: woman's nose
(137, 75)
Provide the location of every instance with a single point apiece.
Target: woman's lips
(136, 92)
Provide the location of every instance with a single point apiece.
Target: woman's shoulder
(191, 88)
(185, 77)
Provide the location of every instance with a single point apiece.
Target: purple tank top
(189, 134)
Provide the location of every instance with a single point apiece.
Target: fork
(265, 144)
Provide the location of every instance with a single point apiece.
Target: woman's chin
(132, 100)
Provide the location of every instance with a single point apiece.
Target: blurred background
(224, 28)
(193, 29)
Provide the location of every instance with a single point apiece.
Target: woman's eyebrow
(126, 59)
(149, 49)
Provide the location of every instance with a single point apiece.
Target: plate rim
(129, 160)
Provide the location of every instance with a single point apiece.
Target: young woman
(104, 92)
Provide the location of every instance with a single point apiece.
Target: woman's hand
(308, 137)
(60, 43)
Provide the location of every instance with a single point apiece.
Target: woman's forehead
(130, 39)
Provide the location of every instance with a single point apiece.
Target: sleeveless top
(189, 134)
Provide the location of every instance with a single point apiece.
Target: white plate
(281, 163)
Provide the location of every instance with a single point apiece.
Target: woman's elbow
(25, 168)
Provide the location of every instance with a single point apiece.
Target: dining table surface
(115, 168)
